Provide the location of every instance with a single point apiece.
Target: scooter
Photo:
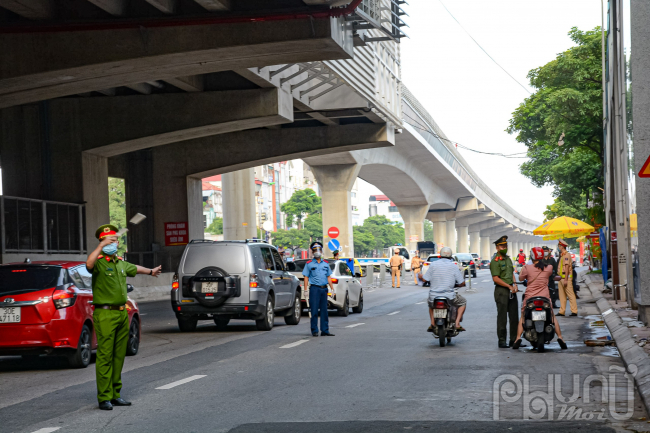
(539, 327)
(444, 316)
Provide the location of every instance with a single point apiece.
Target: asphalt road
(382, 373)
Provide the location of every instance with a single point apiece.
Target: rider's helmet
(521, 250)
(537, 253)
(445, 252)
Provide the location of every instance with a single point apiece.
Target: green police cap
(106, 230)
(501, 241)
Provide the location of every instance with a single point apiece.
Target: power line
(430, 131)
(483, 49)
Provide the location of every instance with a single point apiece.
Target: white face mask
(317, 254)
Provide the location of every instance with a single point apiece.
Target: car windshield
(433, 259)
(296, 265)
(28, 278)
(464, 257)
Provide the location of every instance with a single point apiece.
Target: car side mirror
(129, 288)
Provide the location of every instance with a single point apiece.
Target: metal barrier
(41, 226)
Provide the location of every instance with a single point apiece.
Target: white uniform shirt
(443, 275)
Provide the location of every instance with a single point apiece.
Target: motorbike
(444, 316)
(539, 328)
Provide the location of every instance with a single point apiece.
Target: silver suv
(223, 280)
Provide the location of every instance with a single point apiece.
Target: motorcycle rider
(521, 258)
(444, 276)
(537, 275)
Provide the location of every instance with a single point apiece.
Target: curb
(634, 357)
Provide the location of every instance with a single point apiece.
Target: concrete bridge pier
(485, 247)
(413, 216)
(239, 220)
(451, 235)
(463, 239)
(335, 183)
(475, 242)
(439, 229)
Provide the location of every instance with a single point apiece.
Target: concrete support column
(440, 234)
(335, 183)
(463, 239)
(95, 193)
(475, 243)
(239, 205)
(451, 235)
(413, 217)
(485, 247)
(515, 245)
(194, 187)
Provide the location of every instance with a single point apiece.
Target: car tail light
(175, 282)
(61, 343)
(538, 303)
(253, 281)
(335, 281)
(441, 305)
(64, 298)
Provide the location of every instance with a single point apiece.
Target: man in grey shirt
(444, 276)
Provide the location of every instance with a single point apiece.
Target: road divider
(294, 344)
(181, 382)
(355, 325)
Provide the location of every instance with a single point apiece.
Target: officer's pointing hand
(156, 271)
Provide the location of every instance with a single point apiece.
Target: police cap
(501, 241)
(106, 230)
(316, 245)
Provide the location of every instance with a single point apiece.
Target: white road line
(394, 312)
(181, 382)
(418, 303)
(355, 325)
(47, 430)
(485, 281)
(294, 344)
(368, 291)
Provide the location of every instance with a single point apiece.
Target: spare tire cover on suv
(210, 274)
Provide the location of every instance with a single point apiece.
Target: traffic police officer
(317, 277)
(505, 293)
(110, 317)
(565, 286)
(550, 260)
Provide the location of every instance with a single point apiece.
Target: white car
(433, 258)
(347, 293)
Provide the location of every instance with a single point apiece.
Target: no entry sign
(333, 232)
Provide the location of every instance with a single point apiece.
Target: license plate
(10, 315)
(211, 287)
(539, 315)
(439, 314)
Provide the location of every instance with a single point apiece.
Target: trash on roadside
(600, 342)
(642, 343)
(634, 324)
(598, 323)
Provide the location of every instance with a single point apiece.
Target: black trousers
(507, 309)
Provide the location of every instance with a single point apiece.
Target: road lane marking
(394, 312)
(294, 344)
(368, 291)
(355, 325)
(485, 281)
(47, 430)
(181, 382)
(418, 303)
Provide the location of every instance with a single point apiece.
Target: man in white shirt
(444, 276)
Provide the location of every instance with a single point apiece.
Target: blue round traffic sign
(334, 245)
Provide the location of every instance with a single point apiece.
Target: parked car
(347, 293)
(465, 260)
(485, 264)
(224, 280)
(476, 257)
(46, 308)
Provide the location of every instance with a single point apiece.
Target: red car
(46, 308)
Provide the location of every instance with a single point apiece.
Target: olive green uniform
(507, 308)
(111, 326)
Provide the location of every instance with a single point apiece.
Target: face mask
(504, 251)
(110, 249)
(317, 254)
(546, 254)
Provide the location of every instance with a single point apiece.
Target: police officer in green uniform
(505, 293)
(110, 317)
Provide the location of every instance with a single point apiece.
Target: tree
(290, 238)
(117, 209)
(302, 202)
(567, 106)
(364, 241)
(216, 227)
(428, 231)
(314, 226)
(385, 232)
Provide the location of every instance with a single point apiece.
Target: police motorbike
(444, 316)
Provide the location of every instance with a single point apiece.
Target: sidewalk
(630, 335)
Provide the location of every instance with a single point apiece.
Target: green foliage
(560, 208)
(290, 238)
(428, 231)
(117, 208)
(314, 226)
(568, 101)
(385, 232)
(302, 202)
(216, 227)
(364, 241)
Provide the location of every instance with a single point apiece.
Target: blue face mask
(110, 249)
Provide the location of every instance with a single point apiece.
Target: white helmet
(446, 252)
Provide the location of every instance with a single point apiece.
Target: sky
(469, 96)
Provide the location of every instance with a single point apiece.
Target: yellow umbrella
(633, 222)
(563, 226)
(582, 239)
(565, 236)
